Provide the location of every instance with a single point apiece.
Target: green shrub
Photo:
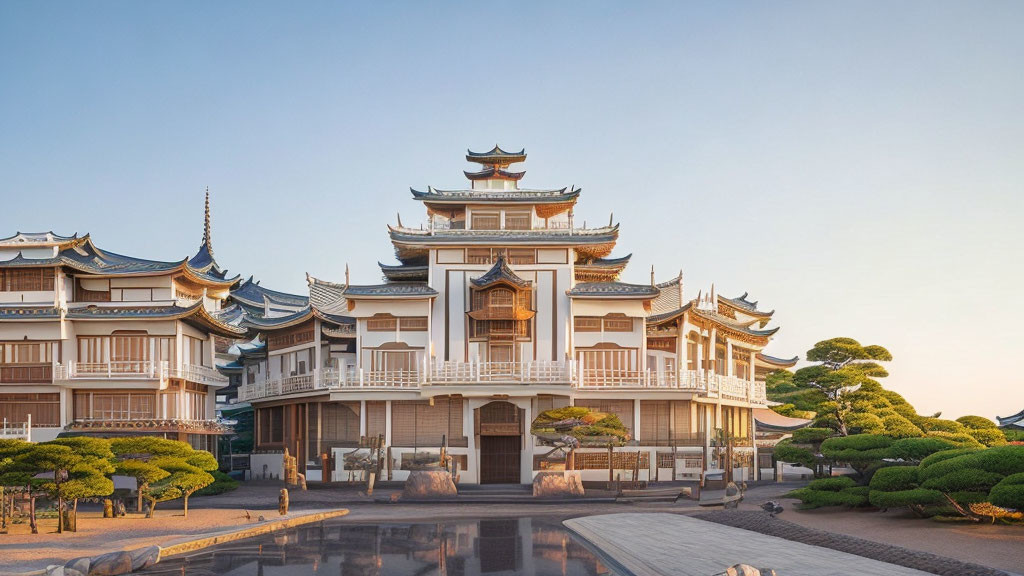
(1013, 435)
(939, 425)
(859, 450)
(961, 439)
(898, 498)
(1009, 493)
(915, 449)
(963, 480)
(988, 436)
(786, 451)
(855, 496)
(899, 426)
(221, 483)
(895, 478)
(1005, 460)
(812, 435)
(977, 423)
(965, 497)
(834, 484)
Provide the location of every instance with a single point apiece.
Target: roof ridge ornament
(206, 224)
(707, 302)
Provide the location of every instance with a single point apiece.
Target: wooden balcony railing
(26, 373)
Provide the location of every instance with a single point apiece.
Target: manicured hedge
(812, 435)
(834, 484)
(1009, 493)
(894, 478)
(899, 498)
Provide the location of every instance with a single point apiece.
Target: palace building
(94, 342)
(498, 307)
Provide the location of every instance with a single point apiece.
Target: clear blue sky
(857, 166)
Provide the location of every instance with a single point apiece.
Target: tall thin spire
(206, 223)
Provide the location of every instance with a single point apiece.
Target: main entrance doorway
(501, 443)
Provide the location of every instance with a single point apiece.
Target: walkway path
(671, 544)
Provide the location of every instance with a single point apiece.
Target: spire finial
(652, 274)
(206, 223)
(346, 274)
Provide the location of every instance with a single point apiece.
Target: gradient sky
(857, 166)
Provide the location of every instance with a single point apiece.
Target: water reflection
(505, 547)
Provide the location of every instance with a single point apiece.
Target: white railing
(16, 430)
(199, 375)
(539, 372)
(139, 370)
(117, 369)
(575, 374)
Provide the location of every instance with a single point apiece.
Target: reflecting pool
(504, 546)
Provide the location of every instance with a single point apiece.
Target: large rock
(429, 484)
(144, 557)
(557, 484)
(77, 567)
(111, 564)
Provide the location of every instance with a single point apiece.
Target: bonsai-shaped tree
(133, 456)
(10, 479)
(72, 468)
(569, 427)
(187, 475)
(87, 478)
(165, 469)
(844, 365)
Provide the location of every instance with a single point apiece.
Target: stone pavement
(671, 544)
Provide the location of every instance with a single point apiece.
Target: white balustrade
(573, 374)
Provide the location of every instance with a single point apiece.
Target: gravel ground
(761, 522)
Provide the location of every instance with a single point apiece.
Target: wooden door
(499, 459)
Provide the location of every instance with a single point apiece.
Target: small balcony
(702, 382)
(137, 370)
(26, 373)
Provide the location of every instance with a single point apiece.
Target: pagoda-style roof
(404, 272)
(433, 196)
(496, 156)
(668, 315)
(500, 273)
(254, 348)
(740, 329)
(613, 290)
(391, 290)
(493, 173)
(411, 243)
(670, 300)
(36, 239)
(82, 255)
(775, 362)
(250, 292)
(196, 314)
(29, 313)
(1017, 420)
(600, 269)
(743, 306)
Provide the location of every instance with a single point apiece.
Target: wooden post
(611, 465)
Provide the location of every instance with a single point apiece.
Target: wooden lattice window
(31, 280)
(376, 415)
(587, 324)
(382, 324)
(413, 323)
(518, 220)
(486, 221)
(521, 256)
(417, 424)
(43, 407)
(478, 255)
(618, 324)
(339, 424)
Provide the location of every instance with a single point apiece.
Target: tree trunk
(32, 514)
(74, 516)
(60, 503)
(152, 507)
(3, 509)
(138, 498)
(187, 494)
